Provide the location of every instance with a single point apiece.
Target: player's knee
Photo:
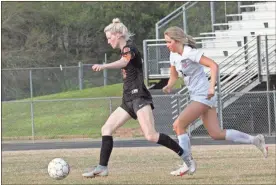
(174, 127)
(178, 128)
(106, 130)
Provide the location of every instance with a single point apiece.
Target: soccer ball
(58, 168)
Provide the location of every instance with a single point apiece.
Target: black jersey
(133, 78)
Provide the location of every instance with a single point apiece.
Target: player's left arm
(213, 67)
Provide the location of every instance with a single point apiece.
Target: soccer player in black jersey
(137, 101)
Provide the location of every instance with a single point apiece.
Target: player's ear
(118, 35)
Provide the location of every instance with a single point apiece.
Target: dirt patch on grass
(120, 133)
(128, 132)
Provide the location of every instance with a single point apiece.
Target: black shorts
(133, 106)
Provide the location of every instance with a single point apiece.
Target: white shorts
(203, 99)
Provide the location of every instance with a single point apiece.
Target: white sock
(184, 142)
(238, 137)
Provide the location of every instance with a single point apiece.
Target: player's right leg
(115, 120)
(211, 123)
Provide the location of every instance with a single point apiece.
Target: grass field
(82, 118)
(217, 164)
(58, 119)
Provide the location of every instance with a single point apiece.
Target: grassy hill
(59, 118)
(68, 114)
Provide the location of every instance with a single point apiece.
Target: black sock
(106, 149)
(170, 143)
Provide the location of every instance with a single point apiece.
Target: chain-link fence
(252, 112)
(31, 82)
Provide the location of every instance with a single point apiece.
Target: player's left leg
(211, 123)
(115, 120)
(146, 120)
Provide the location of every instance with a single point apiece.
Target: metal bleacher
(255, 19)
(244, 47)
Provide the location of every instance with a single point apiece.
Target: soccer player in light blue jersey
(189, 61)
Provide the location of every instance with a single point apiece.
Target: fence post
(274, 101)
(189, 131)
(32, 104)
(110, 106)
(105, 71)
(80, 76)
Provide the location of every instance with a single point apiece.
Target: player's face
(112, 39)
(171, 44)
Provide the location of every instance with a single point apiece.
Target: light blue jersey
(193, 73)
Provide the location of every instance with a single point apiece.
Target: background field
(59, 118)
(231, 164)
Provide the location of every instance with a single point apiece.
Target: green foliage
(46, 33)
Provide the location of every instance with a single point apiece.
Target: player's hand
(211, 93)
(167, 89)
(98, 67)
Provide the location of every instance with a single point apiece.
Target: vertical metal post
(220, 106)
(80, 76)
(212, 14)
(239, 9)
(189, 132)
(274, 101)
(184, 20)
(157, 53)
(32, 105)
(105, 71)
(268, 112)
(225, 11)
(156, 31)
(110, 106)
(268, 86)
(245, 46)
(145, 62)
(259, 58)
(267, 63)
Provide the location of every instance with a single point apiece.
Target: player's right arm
(173, 76)
(128, 54)
(172, 80)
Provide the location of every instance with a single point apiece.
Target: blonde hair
(178, 34)
(117, 27)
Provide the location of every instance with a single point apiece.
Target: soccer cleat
(99, 170)
(259, 142)
(192, 167)
(182, 170)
